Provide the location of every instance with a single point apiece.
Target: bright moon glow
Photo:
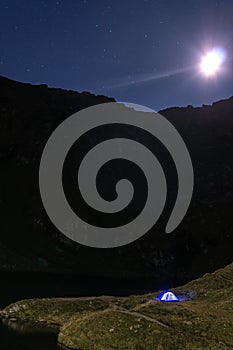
(212, 61)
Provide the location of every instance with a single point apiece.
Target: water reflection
(26, 336)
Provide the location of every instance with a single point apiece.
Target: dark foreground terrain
(203, 320)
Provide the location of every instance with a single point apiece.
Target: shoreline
(203, 321)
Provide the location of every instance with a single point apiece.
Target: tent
(167, 296)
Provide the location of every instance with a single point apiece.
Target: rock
(28, 116)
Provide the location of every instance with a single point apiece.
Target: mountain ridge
(28, 116)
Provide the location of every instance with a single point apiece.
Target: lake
(16, 335)
(16, 286)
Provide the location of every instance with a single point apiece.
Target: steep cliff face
(28, 240)
(29, 114)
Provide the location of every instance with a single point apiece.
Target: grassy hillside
(204, 320)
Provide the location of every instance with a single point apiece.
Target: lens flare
(212, 61)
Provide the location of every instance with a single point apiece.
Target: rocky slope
(29, 241)
(203, 320)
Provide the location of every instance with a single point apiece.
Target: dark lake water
(17, 286)
(15, 335)
(26, 336)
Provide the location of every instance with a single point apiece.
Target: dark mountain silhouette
(29, 241)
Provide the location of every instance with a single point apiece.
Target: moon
(212, 61)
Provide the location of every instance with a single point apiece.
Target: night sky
(141, 51)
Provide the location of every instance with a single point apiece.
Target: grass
(140, 322)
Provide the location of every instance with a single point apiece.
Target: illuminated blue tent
(167, 297)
